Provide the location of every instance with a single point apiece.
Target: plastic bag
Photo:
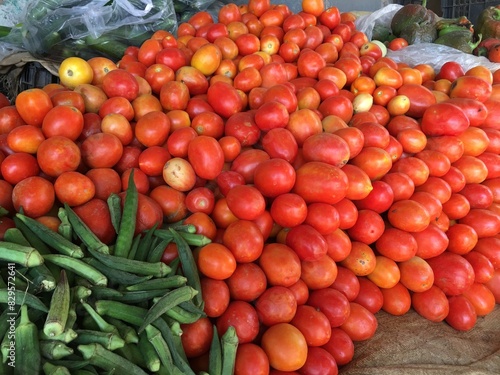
(57, 29)
(422, 53)
(383, 17)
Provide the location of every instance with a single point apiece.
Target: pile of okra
(74, 305)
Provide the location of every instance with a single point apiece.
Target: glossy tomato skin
(320, 182)
(462, 315)
(369, 295)
(319, 361)
(332, 303)
(307, 242)
(206, 157)
(58, 154)
(432, 304)
(452, 273)
(443, 119)
(224, 99)
(119, 82)
(251, 359)
(361, 323)
(36, 196)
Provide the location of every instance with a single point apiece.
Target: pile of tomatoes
(332, 181)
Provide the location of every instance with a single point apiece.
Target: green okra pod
(26, 256)
(105, 359)
(78, 267)
(52, 349)
(59, 308)
(166, 302)
(51, 238)
(27, 342)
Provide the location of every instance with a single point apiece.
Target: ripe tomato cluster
(332, 181)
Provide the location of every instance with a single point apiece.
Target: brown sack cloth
(412, 345)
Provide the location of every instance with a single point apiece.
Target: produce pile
(244, 197)
(414, 24)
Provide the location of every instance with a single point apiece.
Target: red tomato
(280, 143)
(251, 359)
(35, 195)
(73, 188)
(119, 82)
(444, 119)
(470, 87)
(274, 177)
(280, 264)
(59, 154)
(483, 268)
(374, 161)
(481, 298)
(326, 147)
(361, 324)
(246, 202)
(397, 244)
(205, 156)
(244, 239)
(95, 213)
(450, 70)
(319, 273)
(332, 303)
(277, 304)
(320, 182)
(32, 106)
(307, 242)
(340, 346)
(319, 361)
(339, 244)
(196, 337)
(63, 120)
(323, 217)
(486, 223)
(462, 315)
(346, 282)
(369, 295)
(408, 215)
(420, 98)
(101, 150)
(397, 300)
(379, 199)
(247, 283)
(432, 304)
(17, 166)
(216, 296)
(452, 273)
(224, 99)
(368, 227)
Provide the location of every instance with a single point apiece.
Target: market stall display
(266, 191)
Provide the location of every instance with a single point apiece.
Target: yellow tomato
(74, 71)
(207, 59)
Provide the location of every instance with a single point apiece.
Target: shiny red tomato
(332, 303)
(462, 315)
(246, 202)
(432, 304)
(320, 182)
(452, 273)
(274, 177)
(361, 324)
(32, 105)
(35, 195)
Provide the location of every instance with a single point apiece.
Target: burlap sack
(412, 345)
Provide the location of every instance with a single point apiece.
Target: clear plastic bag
(56, 29)
(422, 53)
